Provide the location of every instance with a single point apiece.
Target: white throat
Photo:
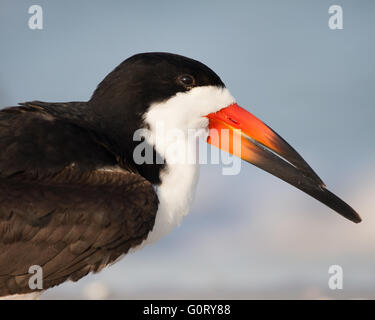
(178, 116)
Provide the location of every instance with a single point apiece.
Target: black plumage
(58, 208)
(71, 198)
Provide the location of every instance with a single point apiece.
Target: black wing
(61, 206)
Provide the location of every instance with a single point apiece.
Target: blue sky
(251, 235)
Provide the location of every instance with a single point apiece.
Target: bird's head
(152, 90)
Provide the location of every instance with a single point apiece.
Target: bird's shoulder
(34, 139)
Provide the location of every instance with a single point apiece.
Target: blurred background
(249, 236)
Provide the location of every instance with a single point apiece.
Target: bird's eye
(186, 80)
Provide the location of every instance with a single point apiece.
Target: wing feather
(58, 208)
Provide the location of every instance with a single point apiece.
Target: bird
(84, 183)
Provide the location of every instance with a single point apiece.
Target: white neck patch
(184, 111)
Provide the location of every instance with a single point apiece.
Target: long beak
(253, 141)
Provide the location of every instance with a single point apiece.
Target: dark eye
(186, 80)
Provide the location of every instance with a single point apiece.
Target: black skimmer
(74, 199)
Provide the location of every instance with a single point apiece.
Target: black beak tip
(357, 218)
(338, 205)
